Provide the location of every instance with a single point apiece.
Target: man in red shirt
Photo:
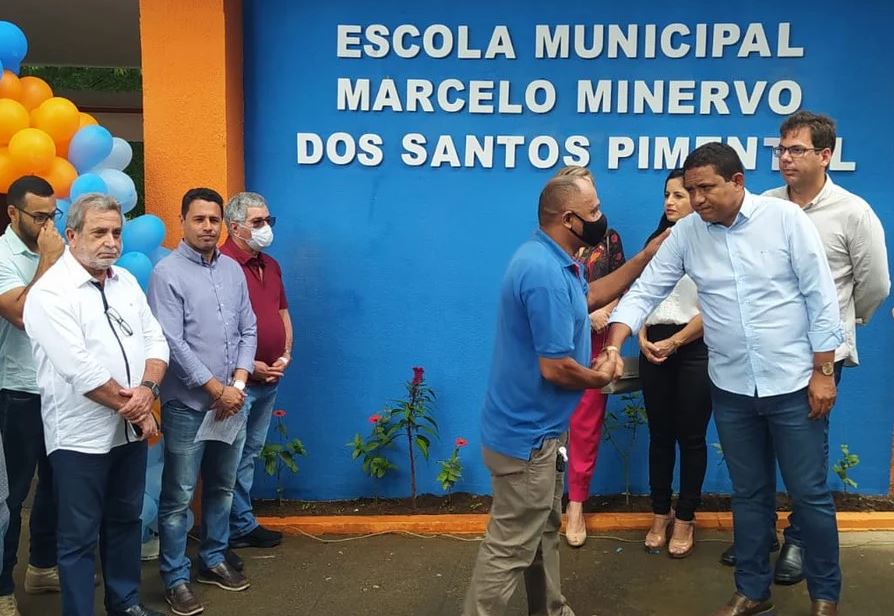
(250, 229)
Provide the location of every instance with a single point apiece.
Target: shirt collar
(243, 257)
(15, 243)
(821, 196)
(194, 255)
(79, 276)
(558, 252)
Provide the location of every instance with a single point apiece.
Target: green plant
(719, 449)
(282, 454)
(411, 417)
(848, 461)
(629, 419)
(452, 468)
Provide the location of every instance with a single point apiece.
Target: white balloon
(119, 157)
(121, 187)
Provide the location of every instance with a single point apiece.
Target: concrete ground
(394, 575)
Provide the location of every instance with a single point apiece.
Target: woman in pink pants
(586, 422)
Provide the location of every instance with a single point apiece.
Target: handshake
(608, 365)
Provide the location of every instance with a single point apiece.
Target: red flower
(279, 413)
(418, 373)
(375, 418)
(461, 442)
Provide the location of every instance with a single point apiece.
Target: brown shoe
(822, 607)
(740, 605)
(182, 601)
(656, 538)
(681, 547)
(223, 576)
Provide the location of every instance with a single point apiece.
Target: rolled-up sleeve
(167, 306)
(654, 285)
(248, 331)
(52, 324)
(815, 282)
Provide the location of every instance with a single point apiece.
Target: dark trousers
(100, 496)
(677, 395)
(22, 429)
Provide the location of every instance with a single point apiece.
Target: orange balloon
(34, 92)
(58, 117)
(87, 120)
(10, 86)
(62, 149)
(13, 118)
(32, 151)
(60, 176)
(8, 171)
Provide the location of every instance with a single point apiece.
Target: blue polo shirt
(542, 313)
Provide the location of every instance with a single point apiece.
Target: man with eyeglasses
(854, 241)
(200, 297)
(100, 355)
(250, 231)
(28, 248)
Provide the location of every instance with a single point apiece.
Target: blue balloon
(121, 187)
(120, 156)
(143, 234)
(13, 45)
(89, 147)
(137, 264)
(158, 254)
(87, 183)
(62, 205)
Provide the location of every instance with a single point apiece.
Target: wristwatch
(240, 385)
(153, 387)
(827, 368)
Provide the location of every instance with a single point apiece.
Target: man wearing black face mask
(540, 367)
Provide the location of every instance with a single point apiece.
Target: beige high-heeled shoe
(656, 538)
(575, 537)
(681, 548)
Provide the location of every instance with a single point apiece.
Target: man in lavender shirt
(201, 299)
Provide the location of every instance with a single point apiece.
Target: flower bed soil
(463, 502)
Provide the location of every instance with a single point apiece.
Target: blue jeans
(260, 400)
(792, 533)
(751, 430)
(99, 496)
(154, 466)
(22, 428)
(184, 458)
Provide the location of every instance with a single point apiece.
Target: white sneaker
(8, 606)
(39, 580)
(150, 549)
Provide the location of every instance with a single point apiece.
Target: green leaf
(422, 443)
(286, 458)
(270, 466)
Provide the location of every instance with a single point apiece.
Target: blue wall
(392, 266)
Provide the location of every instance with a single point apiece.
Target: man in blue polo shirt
(539, 371)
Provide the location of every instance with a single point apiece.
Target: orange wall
(192, 101)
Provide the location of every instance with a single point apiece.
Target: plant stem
(412, 465)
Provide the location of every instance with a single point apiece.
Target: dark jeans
(752, 431)
(677, 396)
(100, 496)
(22, 428)
(793, 533)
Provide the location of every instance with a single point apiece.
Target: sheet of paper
(225, 430)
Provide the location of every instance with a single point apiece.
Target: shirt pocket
(776, 264)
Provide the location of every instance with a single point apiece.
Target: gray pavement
(395, 575)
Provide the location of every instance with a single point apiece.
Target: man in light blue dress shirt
(772, 325)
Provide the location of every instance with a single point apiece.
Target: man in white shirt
(100, 355)
(28, 248)
(854, 241)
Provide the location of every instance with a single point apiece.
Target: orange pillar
(192, 102)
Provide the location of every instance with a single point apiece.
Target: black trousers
(22, 429)
(677, 395)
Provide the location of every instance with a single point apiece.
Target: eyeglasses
(117, 318)
(258, 223)
(41, 217)
(795, 151)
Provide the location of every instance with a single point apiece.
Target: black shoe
(136, 610)
(260, 537)
(223, 576)
(790, 565)
(182, 601)
(233, 560)
(729, 555)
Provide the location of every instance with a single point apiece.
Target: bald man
(541, 365)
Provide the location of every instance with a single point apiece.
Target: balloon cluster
(47, 136)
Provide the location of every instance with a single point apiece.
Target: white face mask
(260, 238)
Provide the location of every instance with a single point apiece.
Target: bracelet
(285, 360)
(611, 347)
(223, 388)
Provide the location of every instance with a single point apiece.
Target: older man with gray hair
(100, 355)
(250, 229)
